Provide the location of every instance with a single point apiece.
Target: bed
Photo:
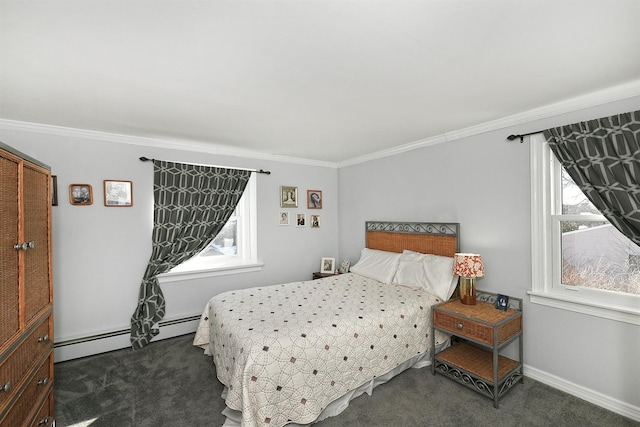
(296, 353)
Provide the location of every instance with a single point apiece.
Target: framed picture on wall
(301, 220)
(314, 199)
(80, 194)
(283, 218)
(288, 197)
(315, 221)
(54, 190)
(118, 193)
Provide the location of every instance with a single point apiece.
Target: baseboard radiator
(119, 339)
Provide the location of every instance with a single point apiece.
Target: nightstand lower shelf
(472, 366)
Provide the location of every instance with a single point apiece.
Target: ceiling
(311, 79)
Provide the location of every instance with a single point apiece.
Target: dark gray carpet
(172, 383)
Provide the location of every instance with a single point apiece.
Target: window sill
(210, 272)
(624, 314)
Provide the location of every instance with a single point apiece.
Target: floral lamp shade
(468, 265)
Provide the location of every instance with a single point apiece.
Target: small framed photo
(301, 220)
(328, 266)
(288, 197)
(118, 193)
(315, 221)
(314, 199)
(54, 190)
(502, 302)
(80, 194)
(284, 218)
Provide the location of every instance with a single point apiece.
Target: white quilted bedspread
(286, 351)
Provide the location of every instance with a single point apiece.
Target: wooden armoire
(26, 291)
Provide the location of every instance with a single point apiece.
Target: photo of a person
(315, 221)
(288, 197)
(328, 266)
(502, 302)
(314, 199)
(80, 194)
(300, 220)
(284, 218)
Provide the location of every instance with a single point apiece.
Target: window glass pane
(573, 199)
(225, 242)
(594, 253)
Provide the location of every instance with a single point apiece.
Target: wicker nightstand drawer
(478, 322)
(468, 328)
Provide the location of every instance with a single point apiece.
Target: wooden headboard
(438, 238)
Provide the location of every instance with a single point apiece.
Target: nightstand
(318, 275)
(483, 331)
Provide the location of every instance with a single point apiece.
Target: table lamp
(468, 267)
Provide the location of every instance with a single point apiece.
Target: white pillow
(410, 270)
(377, 265)
(436, 276)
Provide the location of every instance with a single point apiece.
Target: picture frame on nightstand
(502, 302)
(328, 266)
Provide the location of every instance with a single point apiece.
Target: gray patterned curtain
(191, 205)
(603, 158)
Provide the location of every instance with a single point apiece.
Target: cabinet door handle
(6, 387)
(43, 381)
(459, 326)
(43, 421)
(24, 246)
(44, 338)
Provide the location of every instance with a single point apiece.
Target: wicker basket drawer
(37, 388)
(478, 322)
(44, 418)
(20, 362)
(465, 327)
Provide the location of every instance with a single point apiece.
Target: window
(233, 250)
(580, 262)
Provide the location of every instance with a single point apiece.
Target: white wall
(483, 183)
(100, 253)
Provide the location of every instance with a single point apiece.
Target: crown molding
(616, 93)
(612, 94)
(186, 145)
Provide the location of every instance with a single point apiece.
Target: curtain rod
(521, 136)
(146, 159)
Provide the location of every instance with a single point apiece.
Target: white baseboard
(599, 399)
(117, 340)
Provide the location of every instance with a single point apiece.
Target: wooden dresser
(26, 291)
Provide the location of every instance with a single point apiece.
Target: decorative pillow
(411, 271)
(436, 276)
(377, 265)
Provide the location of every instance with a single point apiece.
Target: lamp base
(468, 290)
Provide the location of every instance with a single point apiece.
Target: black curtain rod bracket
(512, 137)
(146, 159)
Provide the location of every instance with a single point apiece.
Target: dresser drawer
(20, 361)
(44, 418)
(35, 391)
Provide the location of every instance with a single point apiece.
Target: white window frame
(247, 258)
(547, 288)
